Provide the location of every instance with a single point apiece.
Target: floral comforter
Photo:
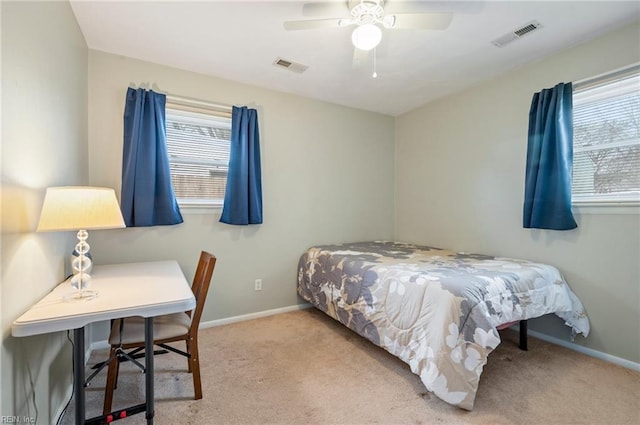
(436, 310)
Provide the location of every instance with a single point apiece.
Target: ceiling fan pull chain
(375, 74)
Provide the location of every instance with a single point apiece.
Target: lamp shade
(80, 207)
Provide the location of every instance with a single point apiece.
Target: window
(198, 142)
(606, 144)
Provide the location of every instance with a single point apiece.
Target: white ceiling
(239, 40)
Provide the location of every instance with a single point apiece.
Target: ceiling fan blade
(325, 9)
(424, 21)
(469, 6)
(311, 24)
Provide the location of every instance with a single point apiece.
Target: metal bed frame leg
(523, 335)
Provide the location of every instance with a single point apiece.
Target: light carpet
(305, 368)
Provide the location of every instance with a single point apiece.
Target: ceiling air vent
(516, 34)
(290, 65)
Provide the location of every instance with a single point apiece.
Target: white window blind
(606, 146)
(198, 146)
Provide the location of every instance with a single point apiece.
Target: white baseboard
(584, 350)
(553, 340)
(99, 345)
(88, 352)
(250, 316)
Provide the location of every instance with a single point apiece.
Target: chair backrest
(200, 286)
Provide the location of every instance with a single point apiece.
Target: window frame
(199, 113)
(621, 204)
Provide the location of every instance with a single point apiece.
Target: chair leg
(194, 362)
(189, 368)
(112, 376)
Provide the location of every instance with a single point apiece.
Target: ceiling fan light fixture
(366, 37)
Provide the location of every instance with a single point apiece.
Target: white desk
(135, 289)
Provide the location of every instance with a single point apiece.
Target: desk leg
(78, 373)
(148, 357)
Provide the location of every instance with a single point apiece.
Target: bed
(436, 310)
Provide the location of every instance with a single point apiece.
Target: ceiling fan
(368, 16)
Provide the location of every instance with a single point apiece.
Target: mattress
(435, 309)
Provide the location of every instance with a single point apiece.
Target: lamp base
(81, 264)
(86, 295)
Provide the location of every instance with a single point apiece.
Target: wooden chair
(128, 333)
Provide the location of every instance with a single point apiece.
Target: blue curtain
(147, 197)
(243, 195)
(547, 197)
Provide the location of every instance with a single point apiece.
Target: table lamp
(80, 208)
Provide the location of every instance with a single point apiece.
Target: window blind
(606, 154)
(198, 148)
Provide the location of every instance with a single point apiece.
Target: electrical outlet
(258, 285)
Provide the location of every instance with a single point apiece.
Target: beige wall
(44, 143)
(327, 174)
(459, 184)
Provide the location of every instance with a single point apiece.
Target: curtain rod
(186, 101)
(606, 76)
(195, 102)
